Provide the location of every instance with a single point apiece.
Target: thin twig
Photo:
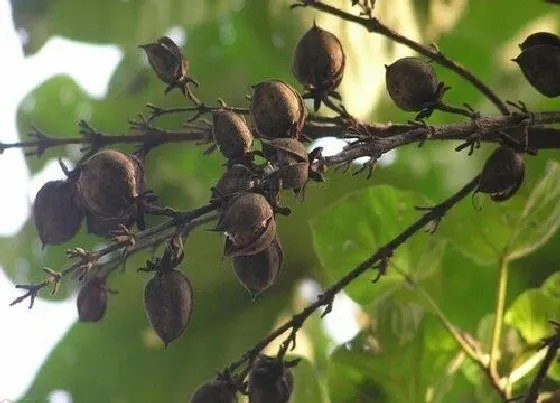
(383, 253)
(372, 24)
(500, 306)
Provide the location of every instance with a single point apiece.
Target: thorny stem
(467, 347)
(383, 253)
(553, 343)
(500, 306)
(200, 110)
(372, 24)
(89, 259)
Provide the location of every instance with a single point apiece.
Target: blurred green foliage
(402, 354)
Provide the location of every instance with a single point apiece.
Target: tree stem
(496, 337)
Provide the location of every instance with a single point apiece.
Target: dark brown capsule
(259, 271)
(250, 242)
(284, 151)
(412, 84)
(105, 227)
(540, 38)
(277, 110)
(231, 133)
(293, 176)
(246, 212)
(109, 184)
(502, 174)
(168, 63)
(92, 300)
(318, 60)
(540, 65)
(57, 213)
(214, 391)
(270, 381)
(238, 178)
(168, 301)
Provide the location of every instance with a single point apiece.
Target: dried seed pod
(250, 242)
(231, 133)
(92, 300)
(247, 212)
(259, 271)
(105, 227)
(168, 63)
(109, 184)
(318, 60)
(540, 65)
(270, 381)
(277, 110)
(57, 213)
(293, 176)
(168, 301)
(412, 84)
(540, 38)
(214, 391)
(284, 151)
(502, 174)
(238, 178)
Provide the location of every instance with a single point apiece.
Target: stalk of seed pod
(540, 62)
(259, 271)
(502, 174)
(269, 381)
(277, 110)
(92, 300)
(57, 213)
(231, 133)
(318, 62)
(214, 391)
(412, 84)
(168, 301)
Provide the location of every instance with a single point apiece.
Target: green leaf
(531, 313)
(551, 286)
(356, 226)
(541, 217)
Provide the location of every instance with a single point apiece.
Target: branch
(381, 255)
(372, 24)
(200, 109)
(553, 343)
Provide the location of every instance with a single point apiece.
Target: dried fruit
(277, 110)
(92, 300)
(214, 391)
(258, 272)
(57, 213)
(105, 227)
(412, 84)
(318, 62)
(231, 133)
(293, 176)
(502, 174)
(109, 184)
(238, 178)
(540, 65)
(168, 301)
(246, 213)
(270, 381)
(250, 242)
(284, 151)
(168, 63)
(540, 38)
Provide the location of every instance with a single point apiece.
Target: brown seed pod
(270, 381)
(92, 300)
(168, 301)
(293, 176)
(250, 242)
(238, 178)
(105, 227)
(540, 65)
(318, 60)
(502, 174)
(246, 212)
(214, 391)
(284, 151)
(231, 133)
(168, 63)
(412, 84)
(109, 184)
(277, 110)
(259, 271)
(540, 38)
(57, 213)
